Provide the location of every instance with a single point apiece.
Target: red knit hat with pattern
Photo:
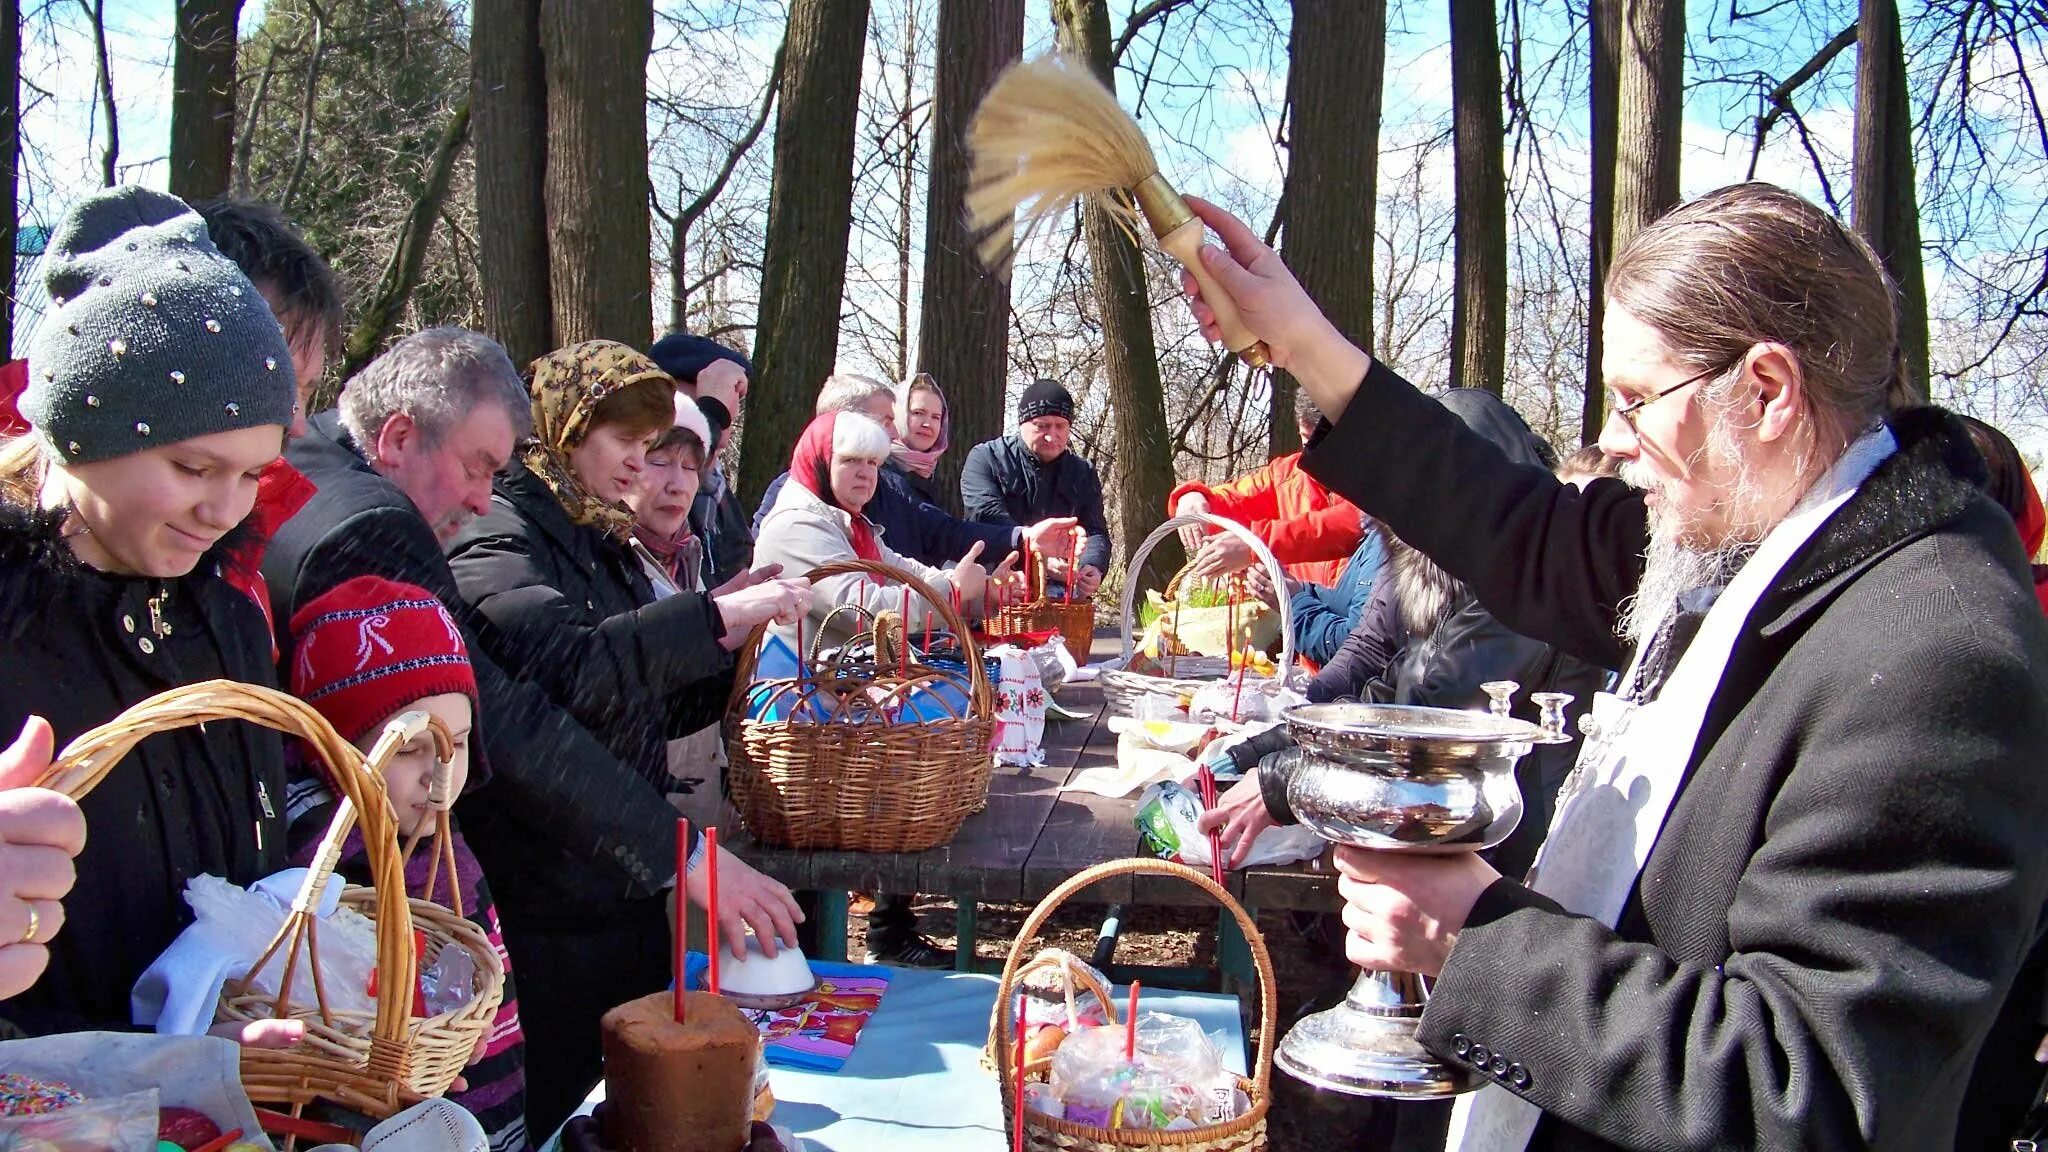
(368, 648)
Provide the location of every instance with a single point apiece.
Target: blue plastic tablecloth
(915, 1081)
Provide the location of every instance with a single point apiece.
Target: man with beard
(1786, 894)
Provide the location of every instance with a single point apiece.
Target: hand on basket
(40, 833)
(1192, 535)
(262, 1033)
(1403, 911)
(1221, 555)
(1087, 578)
(746, 899)
(783, 600)
(1239, 816)
(1049, 538)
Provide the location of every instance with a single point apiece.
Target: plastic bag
(450, 981)
(1260, 702)
(197, 1072)
(1176, 1081)
(1167, 814)
(97, 1124)
(1059, 995)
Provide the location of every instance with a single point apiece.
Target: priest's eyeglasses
(1628, 411)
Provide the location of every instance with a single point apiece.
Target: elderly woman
(816, 520)
(159, 388)
(564, 602)
(924, 429)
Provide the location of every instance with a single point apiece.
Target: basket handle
(978, 686)
(1174, 524)
(87, 760)
(1262, 1070)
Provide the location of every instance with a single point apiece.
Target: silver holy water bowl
(1398, 778)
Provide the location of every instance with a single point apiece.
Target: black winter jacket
(1004, 483)
(1834, 913)
(81, 646)
(563, 828)
(568, 608)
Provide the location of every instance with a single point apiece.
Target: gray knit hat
(152, 337)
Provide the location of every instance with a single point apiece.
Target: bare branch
(1780, 98)
(1156, 10)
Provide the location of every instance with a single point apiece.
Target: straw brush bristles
(1047, 134)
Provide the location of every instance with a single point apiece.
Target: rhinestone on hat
(92, 401)
(149, 299)
(73, 446)
(212, 325)
(270, 362)
(117, 346)
(177, 377)
(141, 429)
(233, 409)
(106, 281)
(234, 289)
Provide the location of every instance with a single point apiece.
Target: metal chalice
(1397, 778)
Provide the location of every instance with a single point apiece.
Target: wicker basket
(1047, 958)
(1048, 1134)
(866, 787)
(1124, 690)
(1075, 622)
(375, 1063)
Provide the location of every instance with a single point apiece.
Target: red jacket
(1311, 530)
(280, 492)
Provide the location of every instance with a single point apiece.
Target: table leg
(832, 925)
(966, 926)
(1234, 955)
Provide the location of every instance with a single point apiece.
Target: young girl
(365, 653)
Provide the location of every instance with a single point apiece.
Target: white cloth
(179, 991)
(1612, 808)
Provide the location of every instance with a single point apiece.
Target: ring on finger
(35, 922)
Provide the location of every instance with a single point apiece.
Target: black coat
(1855, 866)
(1004, 483)
(570, 609)
(563, 829)
(81, 648)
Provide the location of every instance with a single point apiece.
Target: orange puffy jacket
(1311, 530)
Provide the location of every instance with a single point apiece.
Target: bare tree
(1887, 209)
(110, 151)
(508, 99)
(1648, 113)
(409, 252)
(203, 97)
(810, 211)
(1336, 59)
(1479, 312)
(1143, 466)
(599, 239)
(681, 287)
(963, 325)
(1603, 28)
(10, 164)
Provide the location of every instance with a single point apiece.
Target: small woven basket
(1047, 1134)
(374, 1063)
(1075, 622)
(1124, 690)
(890, 786)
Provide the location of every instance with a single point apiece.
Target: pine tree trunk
(1648, 113)
(1885, 203)
(1144, 456)
(10, 163)
(203, 98)
(509, 117)
(1479, 308)
(810, 212)
(1604, 30)
(1336, 61)
(963, 329)
(601, 273)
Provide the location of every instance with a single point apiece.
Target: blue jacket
(1003, 483)
(918, 529)
(1324, 616)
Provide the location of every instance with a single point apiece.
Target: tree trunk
(1336, 60)
(1144, 457)
(110, 152)
(1648, 113)
(1604, 30)
(10, 164)
(402, 273)
(508, 107)
(203, 98)
(1884, 201)
(810, 212)
(963, 328)
(601, 271)
(1479, 307)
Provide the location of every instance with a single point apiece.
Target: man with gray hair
(570, 837)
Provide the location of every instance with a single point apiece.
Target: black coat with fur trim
(1833, 917)
(81, 646)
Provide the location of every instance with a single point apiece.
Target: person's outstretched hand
(1222, 555)
(1239, 815)
(1050, 537)
(747, 578)
(1087, 579)
(969, 578)
(41, 832)
(1276, 309)
(1189, 504)
(746, 899)
(783, 600)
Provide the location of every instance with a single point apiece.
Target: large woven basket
(374, 1063)
(1048, 1134)
(1124, 690)
(870, 787)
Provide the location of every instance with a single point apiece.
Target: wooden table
(1029, 839)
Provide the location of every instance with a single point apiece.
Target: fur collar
(1424, 592)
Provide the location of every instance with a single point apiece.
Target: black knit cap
(152, 337)
(682, 356)
(1045, 398)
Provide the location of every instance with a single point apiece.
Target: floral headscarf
(568, 385)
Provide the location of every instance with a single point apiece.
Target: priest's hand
(1403, 910)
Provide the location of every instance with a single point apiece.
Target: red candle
(711, 918)
(903, 657)
(1073, 556)
(682, 917)
(1215, 835)
(1017, 1027)
(1131, 1028)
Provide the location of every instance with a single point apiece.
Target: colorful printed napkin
(820, 1032)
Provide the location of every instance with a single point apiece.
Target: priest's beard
(1680, 556)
